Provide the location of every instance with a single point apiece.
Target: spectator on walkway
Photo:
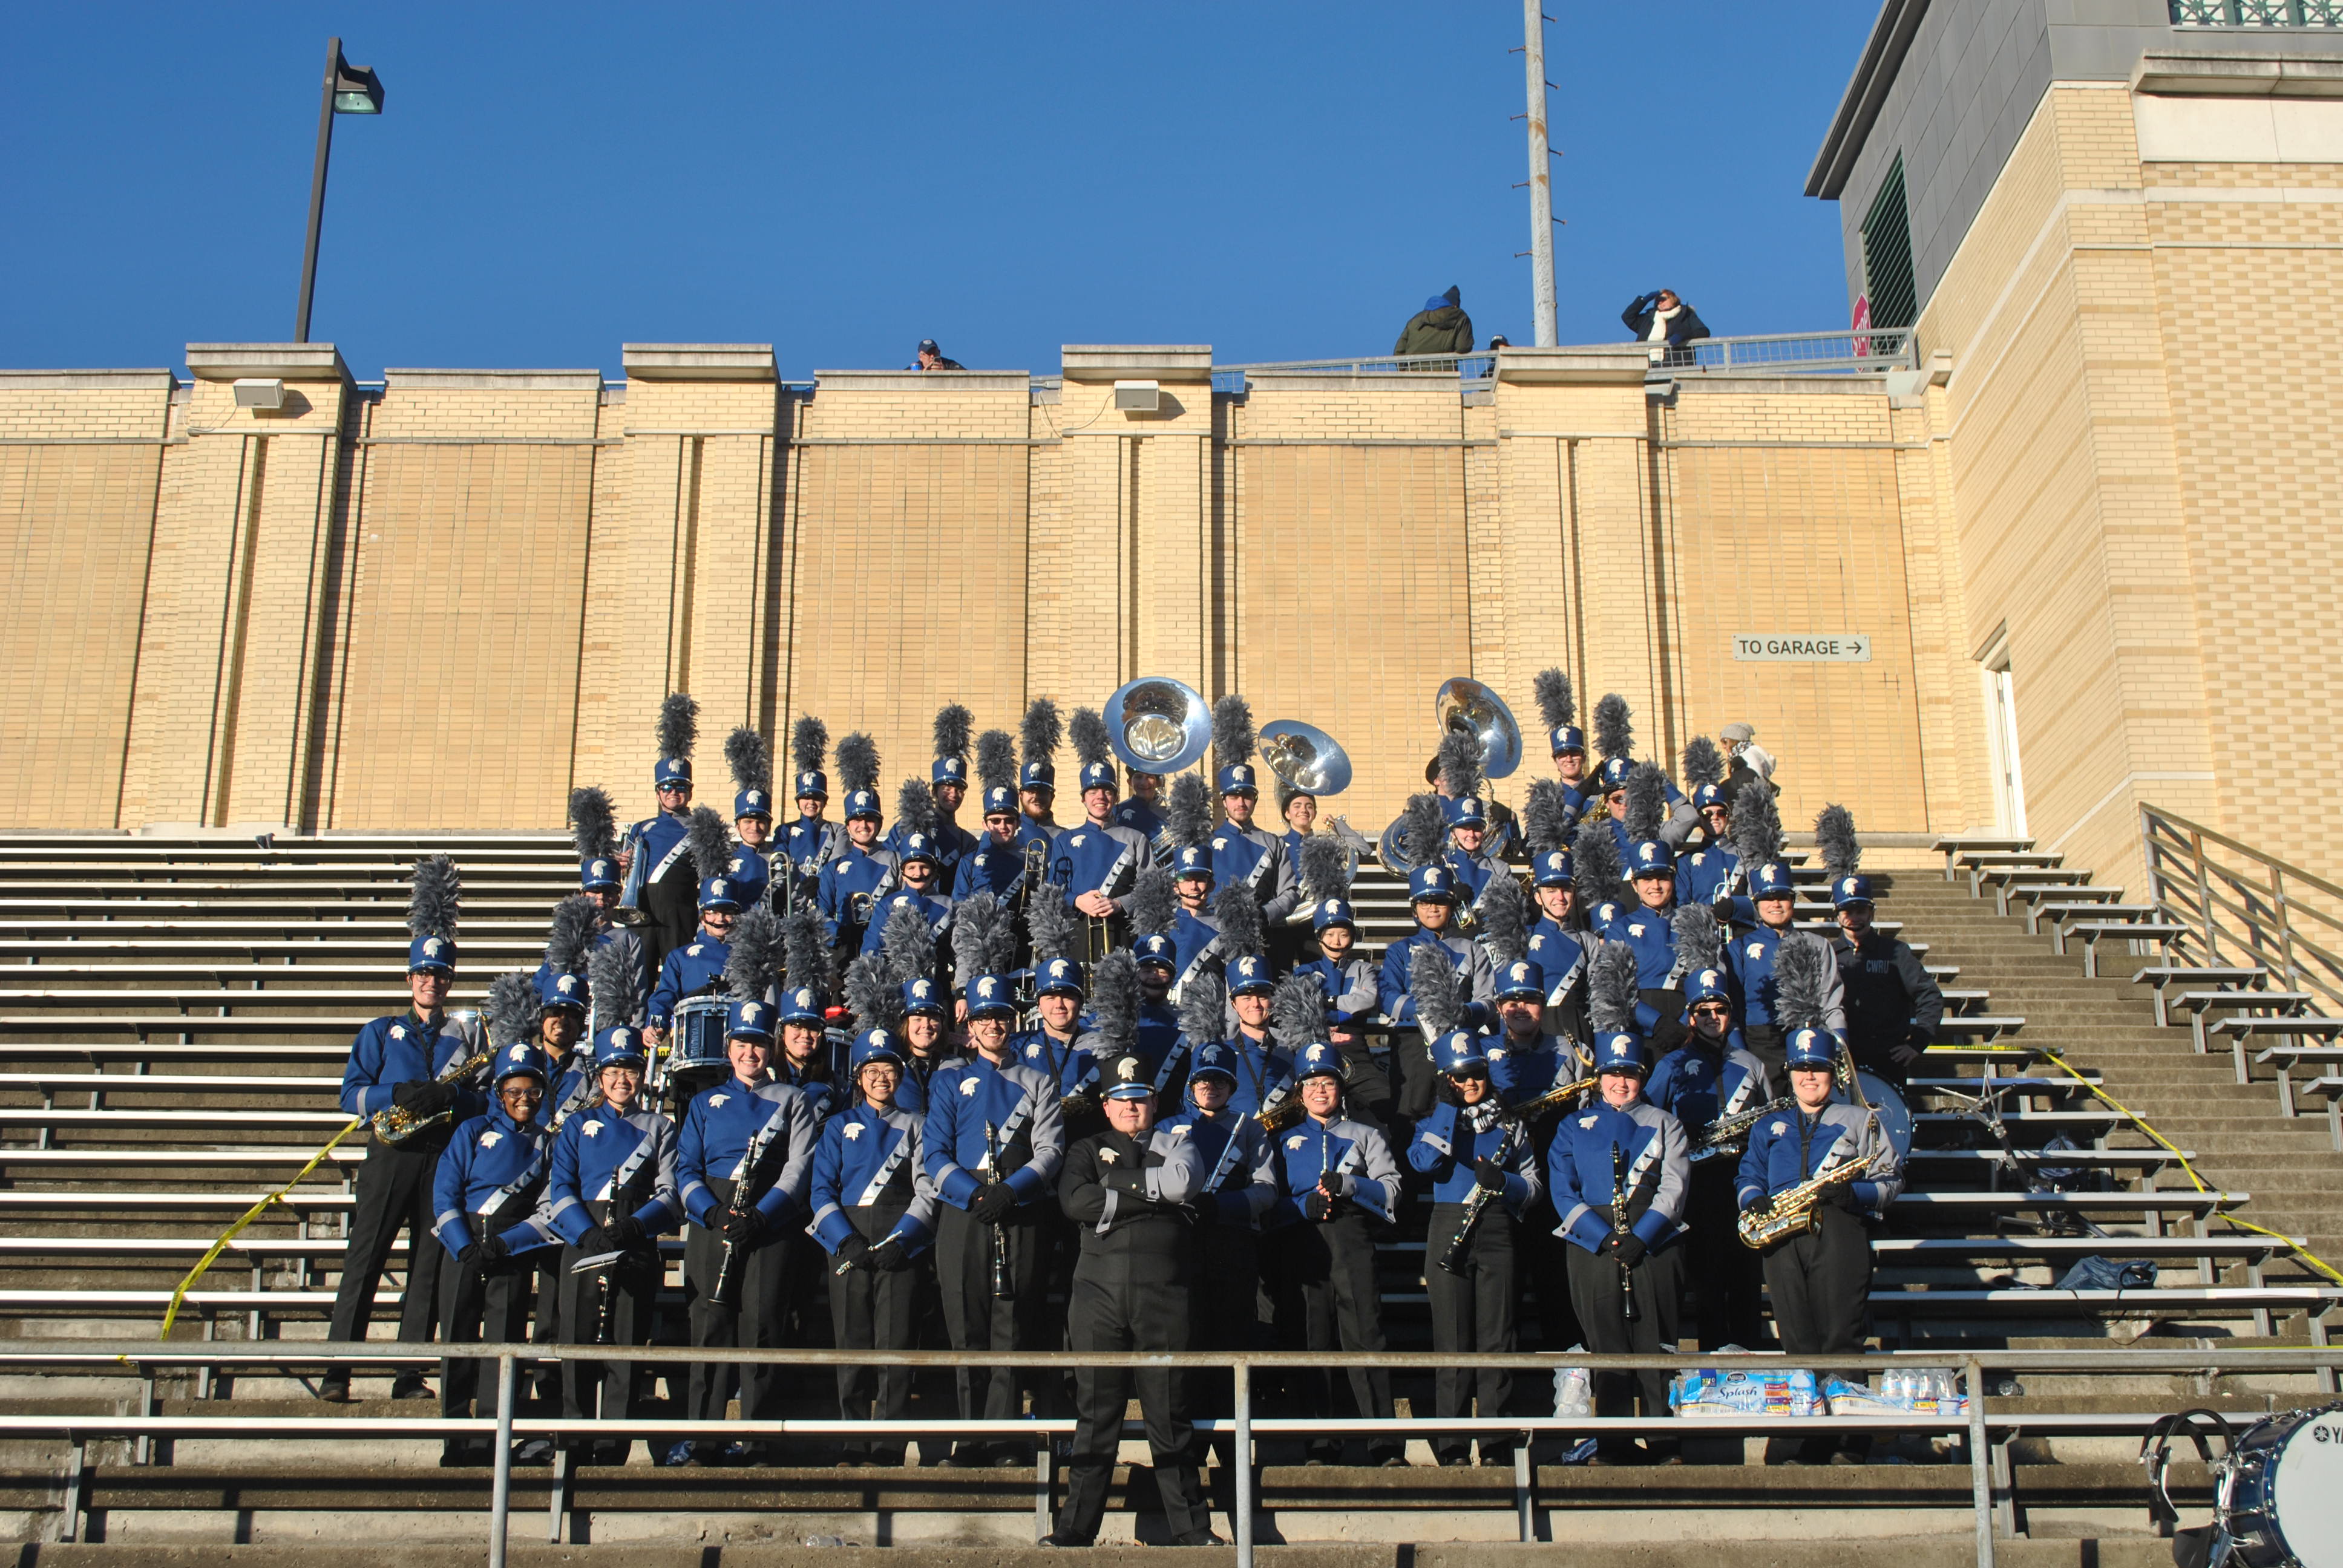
(1667, 323)
(932, 359)
(1746, 762)
(1440, 327)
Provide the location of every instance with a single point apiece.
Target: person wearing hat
(922, 1048)
(1526, 1061)
(1711, 1075)
(811, 842)
(483, 1192)
(1159, 1038)
(1195, 933)
(1558, 949)
(1468, 831)
(1820, 1281)
(1751, 955)
(1099, 861)
(742, 1163)
(1894, 1006)
(920, 868)
(1037, 795)
(656, 859)
(932, 359)
(1706, 872)
(1335, 1179)
(992, 1145)
(948, 784)
(1648, 926)
(1265, 1064)
(1431, 899)
(405, 1060)
(1055, 1047)
(997, 862)
(1137, 810)
(598, 879)
(1579, 788)
(562, 1001)
(1622, 1146)
(1440, 327)
(697, 969)
(1127, 1188)
(803, 1061)
(1747, 762)
(610, 1194)
(1352, 1002)
(1242, 852)
(1239, 1185)
(874, 1213)
(1464, 1148)
(857, 878)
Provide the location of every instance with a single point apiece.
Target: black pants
(481, 1301)
(755, 1324)
(629, 1291)
(1594, 1289)
(1223, 1314)
(1671, 1030)
(1821, 1286)
(1327, 1299)
(978, 1319)
(1767, 1043)
(1472, 1310)
(874, 1309)
(1109, 1310)
(1726, 1276)
(1366, 1087)
(1419, 1085)
(393, 1190)
(671, 911)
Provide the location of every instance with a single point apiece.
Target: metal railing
(2257, 13)
(1779, 354)
(1992, 1485)
(2242, 906)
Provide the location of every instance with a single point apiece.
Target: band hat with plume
(709, 838)
(1234, 739)
(996, 761)
(1114, 1005)
(677, 734)
(1459, 761)
(509, 1013)
(569, 937)
(1086, 731)
(1557, 704)
(1297, 1012)
(1502, 918)
(1238, 914)
(1611, 991)
(1595, 853)
(434, 899)
(804, 960)
(1188, 812)
(1436, 989)
(1325, 867)
(1802, 966)
(1756, 830)
(1615, 727)
(875, 1003)
(809, 750)
(758, 960)
(615, 984)
(1423, 830)
(1203, 1008)
(1040, 732)
(908, 943)
(858, 763)
(954, 725)
(1841, 850)
(1700, 940)
(1546, 817)
(1151, 905)
(593, 824)
(1051, 925)
(1704, 765)
(1648, 802)
(915, 807)
(750, 759)
(984, 938)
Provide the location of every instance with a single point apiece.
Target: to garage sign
(1791, 648)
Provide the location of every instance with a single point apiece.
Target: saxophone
(1529, 1111)
(1286, 1113)
(1792, 1211)
(398, 1124)
(1730, 1134)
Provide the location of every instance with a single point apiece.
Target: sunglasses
(1466, 1077)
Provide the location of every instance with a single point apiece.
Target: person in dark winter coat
(1665, 322)
(932, 359)
(1440, 327)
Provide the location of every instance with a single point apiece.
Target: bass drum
(2279, 1498)
(1895, 1115)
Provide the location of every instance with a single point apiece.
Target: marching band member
(1559, 710)
(1097, 861)
(1649, 928)
(1160, 1042)
(927, 1015)
(948, 784)
(857, 878)
(656, 856)
(999, 860)
(1195, 934)
(742, 1163)
(1265, 1074)
(600, 882)
(1705, 875)
(804, 1060)
(810, 843)
(920, 868)
(1431, 899)
(1752, 954)
(561, 1002)
(991, 1144)
(697, 970)
(1039, 734)
(1892, 1004)
(1820, 1281)
(1054, 1049)
(1468, 826)
(1138, 810)
(1559, 952)
(611, 1191)
(1243, 854)
(1711, 1075)
(1352, 1001)
(750, 863)
(1470, 1249)
(874, 1212)
(1334, 1176)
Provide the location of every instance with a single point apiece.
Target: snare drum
(2279, 1497)
(696, 1033)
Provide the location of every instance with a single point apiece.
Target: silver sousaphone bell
(1463, 703)
(1305, 757)
(1158, 725)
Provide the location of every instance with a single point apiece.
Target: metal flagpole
(1541, 178)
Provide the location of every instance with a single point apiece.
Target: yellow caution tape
(211, 1255)
(2187, 1168)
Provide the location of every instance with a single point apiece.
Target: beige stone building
(2075, 532)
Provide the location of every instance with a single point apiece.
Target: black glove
(626, 1232)
(1628, 1249)
(739, 1226)
(854, 1252)
(1316, 1204)
(467, 1256)
(1207, 1208)
(1489, 1175)
(496, 1249)
(888, 1257)
(1906, 1056)
(596, 1242)
(1340, 1183)
(425, 1099)
(992, 1202)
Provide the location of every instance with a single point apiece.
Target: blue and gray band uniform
(1139, 816)
(1089, 858)
(853, 874)
(1696, 1083)
(638, 960)
(751, 874)
(1750, 955)
(1196, 948)
(1335, 1179)
(1472, 867)
(1436, 883)
(1707, 876)
(874, 1213)
(762, 1135)
(1264, 1071)
(994, 1191)
(1354, 998)
(696, 969)
(936, 911)
(484, 1193)
(810, 843)
(1465, 1150)
(991, 868)
(1581, 1169)
(1254, 856)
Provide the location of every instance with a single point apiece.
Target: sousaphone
(1158, 725)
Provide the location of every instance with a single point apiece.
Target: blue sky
(1280, 181)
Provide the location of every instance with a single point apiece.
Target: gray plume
(1459, 757)
(1325, 867)
(1203, 1003)
(760, 949)
(750, 759)
(1557, 705)
(954, 724)
(616, 986)
(509, 1013)
(711, 840)
(996, 760)
(1151, 904)
(908, 943)
(434, 899)
(1703, 764)
(1700, 940)
(1545, 816)
(1050, 924)
(984, 938)
(1842, 852)
(571, 937)
(1233, 732)
(1648, 802)
(1188, 812)
(1039, 735)
(1114, 999)
(874, 1003)
(1594, 858)
(679, 726)
(1297, 1012)
(1504, 914)
(915, 807)
(1238, 914)
(1615, 727)
(803, 956)
(1756, 829)
(1088, 732)
(1438, 992)
(858, 762)
(809, 744)
(1424, 836)
(593, 827)
(1610, 989)
(1801, 976)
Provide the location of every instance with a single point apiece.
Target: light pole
(349, 90)
(1541, 180)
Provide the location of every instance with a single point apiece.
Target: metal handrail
(1782, 353)
(1977, 1425)
(2260, 909)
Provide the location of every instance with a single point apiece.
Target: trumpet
(1730, 1134)
(1794, 1210)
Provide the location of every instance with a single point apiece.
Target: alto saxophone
(1529, 1111)
(398, 1124)
(1284, 1114)
(1730, 1134)
(1793, 1211)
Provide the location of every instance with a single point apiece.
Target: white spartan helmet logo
(431, 947)
(984, 990)
(748, 1013)
(919, 991)
(565, 984)
(1127, 1070)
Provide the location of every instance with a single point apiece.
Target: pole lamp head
(356, 89)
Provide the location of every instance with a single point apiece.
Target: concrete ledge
(922, 381)
(1855, 384)
(273, 361)
(699, 361)
(2241, 75)
(87, 381)
(1136, 361)
(414, 381)
(1442, 382)
(1622, 365)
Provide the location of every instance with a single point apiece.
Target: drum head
(2306, 1500)
(1895, 1116)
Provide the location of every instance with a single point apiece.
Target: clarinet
(1620, 1231)
(624, 1200)
(725, 1289)
(1460, 1244)
(1000, 1285)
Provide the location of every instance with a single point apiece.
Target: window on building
(1887, 256)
